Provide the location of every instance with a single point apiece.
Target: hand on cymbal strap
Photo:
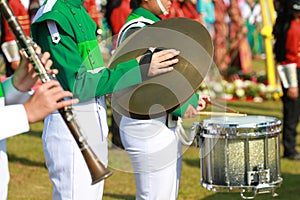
(157, 61)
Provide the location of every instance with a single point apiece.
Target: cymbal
(166, 92)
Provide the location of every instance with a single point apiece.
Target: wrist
(19, 85)
(30, 115)
(144, 62)
(15, 83)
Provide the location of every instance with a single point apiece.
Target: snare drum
(240, 154)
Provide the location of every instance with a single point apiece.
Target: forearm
(88, 85)
(193, 101)
(14, 121)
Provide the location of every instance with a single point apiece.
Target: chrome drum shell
(240, 154)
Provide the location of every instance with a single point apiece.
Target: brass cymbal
(165, 92)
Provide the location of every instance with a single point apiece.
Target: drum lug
(258, 176)
(196, 129)
(261, 189)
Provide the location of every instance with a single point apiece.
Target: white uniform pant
(67, 168)
(4, 171)
(155, 153)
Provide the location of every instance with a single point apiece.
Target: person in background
(230, 38)
(190, 11)
(251, 12)
(68, 33)
(152, 144)
(33, 7)
(183, 8)
(207, 10)
(287, 51)
(9, 46)
(116, 14)
(19, 106)
(94, 11)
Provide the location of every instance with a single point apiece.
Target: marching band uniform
(10, 115)
(183, 9)
(67, 32)
(13, 96)
(153, 147)
(8, 37)
(22, 16)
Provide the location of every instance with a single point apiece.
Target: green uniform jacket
(77, 55)
(1, 95)
(141, 12)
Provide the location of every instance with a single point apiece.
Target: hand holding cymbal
(165, 92)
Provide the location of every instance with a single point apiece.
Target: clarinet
(97, 170)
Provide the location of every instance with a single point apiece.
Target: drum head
(165, 92)
(251, 125)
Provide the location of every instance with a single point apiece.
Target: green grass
(29, 177)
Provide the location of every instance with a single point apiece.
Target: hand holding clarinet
(96, 168)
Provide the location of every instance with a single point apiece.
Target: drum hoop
(231, 126)
(235, 131)
(272, 121)
(222, 188)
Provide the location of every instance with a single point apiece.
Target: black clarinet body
(97, 170)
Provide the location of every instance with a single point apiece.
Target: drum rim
(271, 128)
(224, 188)
(216, 120)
